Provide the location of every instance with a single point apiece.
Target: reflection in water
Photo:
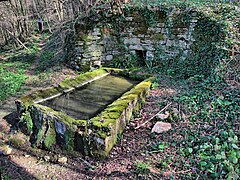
(92, 98)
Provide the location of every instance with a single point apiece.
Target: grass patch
(141, 167)
(13, 68)
(12, 72)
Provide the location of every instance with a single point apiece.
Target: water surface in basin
(85, 102)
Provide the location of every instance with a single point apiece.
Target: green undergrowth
(216, 36)
(20, 67)
(174, 2)
(3, 175)
(204, 143)
(12, 71)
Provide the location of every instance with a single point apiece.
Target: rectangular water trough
(86, 113)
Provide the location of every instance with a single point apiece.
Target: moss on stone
(46, 134)
(101, 134)
(105, 127)
(129, 97)
(69, 140)
(26, 99)
(66, 83)
(116, 108)
(157, 37)
(115, 70)
(85, 38)
(39, 136)
(140, 30)
(161, 16)
(111, 122)
(82, 78)
(50, 137)
(102, 123)
(85, 67)
(62, 117)
(39, 95)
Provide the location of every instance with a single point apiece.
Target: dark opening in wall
(141, 56)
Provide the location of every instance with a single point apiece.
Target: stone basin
(84, 114)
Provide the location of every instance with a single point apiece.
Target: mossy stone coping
(91, 137)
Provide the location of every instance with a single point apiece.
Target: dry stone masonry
(168, 37)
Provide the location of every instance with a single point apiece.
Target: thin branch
(17, 39)
(153, 116)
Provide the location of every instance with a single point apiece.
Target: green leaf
(218, 156)
(161, 146)
(203, 163)
(235, 146)
(190, 150)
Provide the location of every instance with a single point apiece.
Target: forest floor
(203, 142)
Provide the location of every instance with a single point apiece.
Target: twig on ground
(153, 116)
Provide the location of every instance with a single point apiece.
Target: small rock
(5, 150)
(46, 158)
(109, 57)
(27, 155)
(62, 160)
(160, 127)
(108, 173)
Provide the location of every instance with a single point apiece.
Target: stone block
(80, 43)
(85, 60)
(185, 53)
(89, 43)
(182, 44)
(95, 58)
(96, 32)
(79, 50)
(146, 41)
(148, 47)
(155, 30)
(170, 42)
(115, 52)
(149, 56)
(96, 53)
(160, 25)
(94, 38)
(140, 35)
(135, 47)
(86, 55)
(129, 18)
(109, 57)
(94, 47)
(132, 41)
(97, 63)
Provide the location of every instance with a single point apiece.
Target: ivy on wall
(211, 35)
